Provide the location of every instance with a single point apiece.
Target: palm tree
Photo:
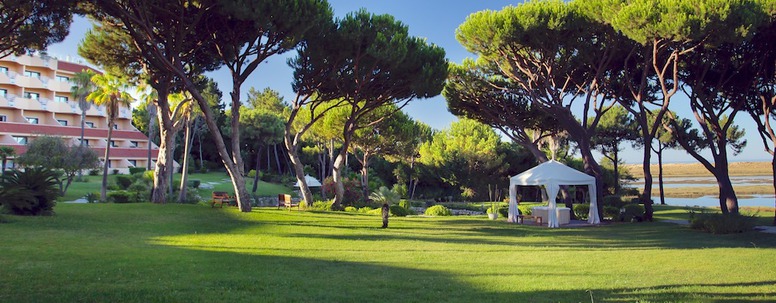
(111, 92)
(82, 87)
(189, 112)
(5, 153)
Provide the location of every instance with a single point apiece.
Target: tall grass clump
(716, 223)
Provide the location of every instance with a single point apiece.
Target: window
(32, 120)
(133, 143)
(63, 78)
(86, 142)
(20, 140)
(3, 70)
(133, 163)
(89, 124)
(60, 99)
(113, 143)
(62, 122)
(32, 74)
(115, 126)
(3, 118)
(3, 92)
(33, 96)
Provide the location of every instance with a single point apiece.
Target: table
(563, 213)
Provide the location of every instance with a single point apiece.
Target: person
(386, 212)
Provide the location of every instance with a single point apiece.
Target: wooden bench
(537, 219)
(220, 197)
(286, 201)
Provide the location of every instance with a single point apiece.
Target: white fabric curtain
(512, 217)
(552, 215)
(592, 216)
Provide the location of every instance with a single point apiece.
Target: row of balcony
(45, 104)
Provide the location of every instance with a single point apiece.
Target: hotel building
(35, 100)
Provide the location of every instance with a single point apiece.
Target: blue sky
(434, 20)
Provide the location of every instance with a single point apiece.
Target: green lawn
(192, 253)
(79, 189)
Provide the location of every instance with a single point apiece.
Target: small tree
(27, 25)
(54, 154)
(5, 153)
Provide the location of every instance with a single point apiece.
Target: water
(713, 201)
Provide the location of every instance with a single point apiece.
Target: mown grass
(190, 253)
(220, 179)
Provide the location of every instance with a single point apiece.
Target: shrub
(113, 186)
(123, 181)
(353, 193)
(722, 223)
(400, 189)
(94, 172)
(398, 211)
(503, 210)
(351, 209)
(383, 195)
(119, 196)
(581, 211)
(615, 201)
(438, 210)
(149, 176)
(115, 171)
(322, 205)
(525, 209)
(139, 191)
(195, 183)
(135, 170)
(93, 197)
(376, 211)
(365, 209)
(611, 212)
(406, 204)
(82, 179)
(631, 212)
(30, 192)
(252, 173)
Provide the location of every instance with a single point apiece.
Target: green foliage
(525, 209)
(400, 189)
(406, 204)
(493, 208)
(123, 181)
(148, 176)
(136, 170)
(717, 223)
(55, 154)
(252, 173)
(503, 210)
(365, 209)
(94, 172)
(611, 212)
(139, 191)
(28, 26)
(632, 212)
(353, 194)
(92, 197)
(615, 201)
(398, 211)
(351, 209)
(195, 183)
(115, 171)
(438, 210)
(120, 196)
(30, 192)
(581, 211)
(322, 205)
(383, 195)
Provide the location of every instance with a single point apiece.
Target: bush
(135, 170)
(30, 192)
(400, 189)
(615, 201)
(631, 213)
(139, 191)
(195, 183)
(398, 211)
(722, 223)
(383, 195)
(438, 210)
(93, 197)
(115, 171)
(252, 173)
(376, 212)
(149, 176)
(353, 194)
(503, 210)
(581, 211)
(113, 186)
(94, 172)
(322, 205)
(123, 181)
(611, 212)
(119, 196)
(365, 209)
(525, 209)
(406, 204)
(351, 209)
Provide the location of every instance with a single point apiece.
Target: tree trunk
(150, 135)
(258, 169)
(646, 196)
(365, 175)
(162, 169)
(592, 167)
(292, 148)
(277, 159)
(83, 125)
(660, 176)
(185, 168)
(773, 169)
(616, 171)
(104, 189)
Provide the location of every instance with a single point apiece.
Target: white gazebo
(310, 180)
(552, 175)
